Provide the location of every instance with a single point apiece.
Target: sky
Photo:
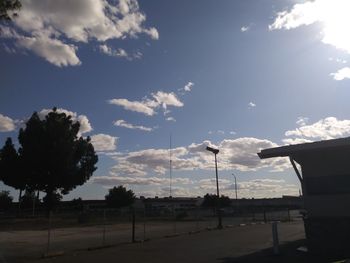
(140, 76)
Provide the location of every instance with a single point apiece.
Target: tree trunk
(19, 200)
(34, 200)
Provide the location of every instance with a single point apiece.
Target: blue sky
(237, 75)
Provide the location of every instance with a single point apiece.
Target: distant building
(168, 205)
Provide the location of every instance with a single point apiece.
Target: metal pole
(104, 228)
(218, 194)
(49, 234)
(133, 226)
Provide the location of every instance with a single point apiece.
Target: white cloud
(6, 124)
(53, 50)
(149, 106)
(324, 129)
(171, 119)
(113, 52)
(121, 180)
(341, 74)
(51, 28)
(119, 52)
(122, 123)
(189, 86)
(290, 141)
(85, 125)
(251, 105)
(245, 28)
(137, 106)
(332, 14)
(104, 142)
(167, 99)
(302, 121)
(239, 154)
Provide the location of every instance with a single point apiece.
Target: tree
(54, 159)
(5, 200)
(119, 197)
(10, 168)
(210, 200)
(7, 6)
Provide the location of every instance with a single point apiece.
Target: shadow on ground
(288, 254)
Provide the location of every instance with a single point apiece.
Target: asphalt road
(206, 246)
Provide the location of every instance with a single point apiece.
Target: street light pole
(216, 151)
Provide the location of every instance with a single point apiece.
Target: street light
(215, 152)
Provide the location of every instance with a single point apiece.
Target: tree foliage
(119, 197)
(5, 200)
(53, 159)
(10, 168)
(211, 200)
(9, 6)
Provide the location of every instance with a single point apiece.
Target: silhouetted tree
(210, 200)
(10, 168)
(7, 6)
(119, 197)
(54, 159)
(5, 200)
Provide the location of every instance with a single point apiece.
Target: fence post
(197, 218)
(49, 234)
(144, 224)
(275, 238)
(133, 225)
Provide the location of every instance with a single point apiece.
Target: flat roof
(290, 150)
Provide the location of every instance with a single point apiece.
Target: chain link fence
(94, 228)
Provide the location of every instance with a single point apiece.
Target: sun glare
(336, 19)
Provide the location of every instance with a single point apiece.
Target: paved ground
(206, 246)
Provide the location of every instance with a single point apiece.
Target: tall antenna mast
(170, 168)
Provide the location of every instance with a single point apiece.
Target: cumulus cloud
(104, 142)
(51, 28)
(245, 28)
(251, 105)
(137, 106)
(159, 186)
(6, 124)
(167, 99)
(341, 74)
(189, 86)
(122, 123)
(332, 14)
(121, 180)
(324, 129)
(119, 52)
(85, 125)
(239, 154)
(149, 106)
(302, 121)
